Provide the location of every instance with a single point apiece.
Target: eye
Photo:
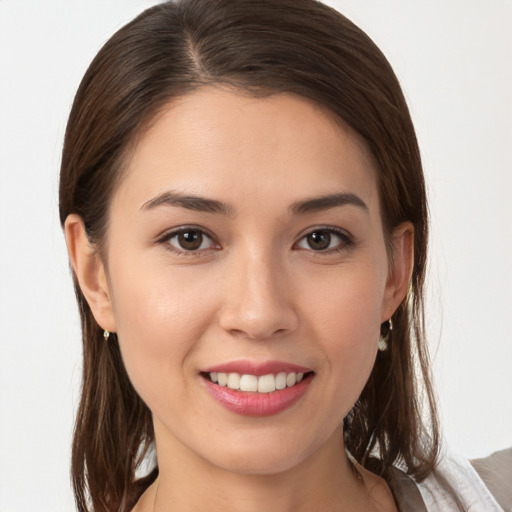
(324, 240)
(189, 240)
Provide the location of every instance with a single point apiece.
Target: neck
(323, 481)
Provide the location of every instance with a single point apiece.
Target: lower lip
(258, 404)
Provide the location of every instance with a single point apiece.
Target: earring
(385, 330)
(106, 335)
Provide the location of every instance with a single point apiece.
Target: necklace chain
(156, 493)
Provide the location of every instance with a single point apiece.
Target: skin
(254, 290)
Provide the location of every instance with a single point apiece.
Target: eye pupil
(319, 240)
(190, 240)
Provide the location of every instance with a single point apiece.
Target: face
(245, 245)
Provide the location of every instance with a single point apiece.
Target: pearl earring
(385, 330)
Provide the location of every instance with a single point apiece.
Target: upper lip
(257, 369)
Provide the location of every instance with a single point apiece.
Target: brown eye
(190, 240)
(324, 240)
(319, 240)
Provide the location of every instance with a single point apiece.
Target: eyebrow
(202, 204)
(190, 202)
(316, 204)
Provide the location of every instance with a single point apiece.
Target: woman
(245, 213)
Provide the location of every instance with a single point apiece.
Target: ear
(90, 272)
(400, 269)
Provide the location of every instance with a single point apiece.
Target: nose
(258, 299)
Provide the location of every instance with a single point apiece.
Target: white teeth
(233, 381)
(249, 383)
(264, 384)
(281, 380)
(291, 379)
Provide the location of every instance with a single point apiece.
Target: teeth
(266, 384)
(248, 383)
(263, 384)
(281, 380)
(233, 381)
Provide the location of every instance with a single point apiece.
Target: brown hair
(260, 48)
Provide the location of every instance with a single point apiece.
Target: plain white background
(453, 59)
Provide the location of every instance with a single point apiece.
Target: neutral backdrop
(453, 58)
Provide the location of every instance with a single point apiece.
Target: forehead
(216, 141)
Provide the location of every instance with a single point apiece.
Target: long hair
(261, 48)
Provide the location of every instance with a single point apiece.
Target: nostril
(257, 334)
(252, 317)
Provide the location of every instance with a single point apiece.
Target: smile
(252, 383)
(257, 390)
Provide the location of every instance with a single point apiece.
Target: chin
(263, 465)
(261, 456)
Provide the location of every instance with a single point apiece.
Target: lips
(257, 389)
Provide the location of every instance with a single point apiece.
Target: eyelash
(346, 241)
(167, 237)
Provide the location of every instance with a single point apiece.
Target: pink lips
(258, 404)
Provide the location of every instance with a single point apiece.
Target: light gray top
(485, 485)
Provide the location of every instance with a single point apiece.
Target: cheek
(347, 303)
(345, 315)
(160, 318)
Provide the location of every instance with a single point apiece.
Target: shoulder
(456, 485)
(496, 473)
(484, 485)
